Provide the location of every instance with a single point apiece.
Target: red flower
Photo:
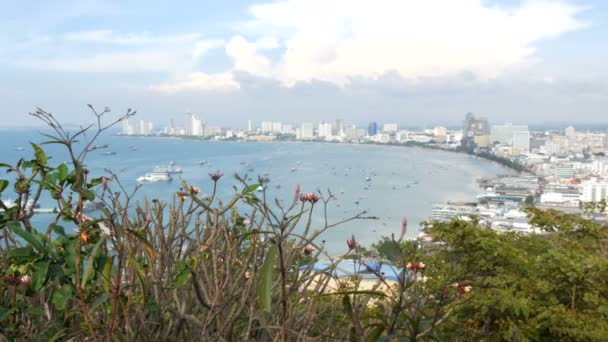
(308, 249)
(216, 175)
(310, 197)
(461, 289)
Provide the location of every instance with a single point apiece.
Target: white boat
(155, 177)
(368, 179)
(19, 148)
(9, 203)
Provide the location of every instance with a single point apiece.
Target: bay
(402, 181)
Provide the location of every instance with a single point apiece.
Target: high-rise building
(171, 127)
(188, 126)
(277, 127)
(338, 128)
(521, 140)
(126, 128)
(306, 130)
(266, 126)
(325, 130)
(249, 128)
(504, 134)
(475, 126)
(372, 129)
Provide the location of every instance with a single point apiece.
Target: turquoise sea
(404, 181)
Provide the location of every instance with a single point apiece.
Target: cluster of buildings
(568, 171)
(568, 168)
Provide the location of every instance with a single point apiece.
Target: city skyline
(394, 61)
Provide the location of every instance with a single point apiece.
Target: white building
(266, 126)
(390, 128)
(504, 134)
(594, 190)
(325, 130)
(306, 130)
(521, 141)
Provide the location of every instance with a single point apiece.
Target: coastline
(504, 162)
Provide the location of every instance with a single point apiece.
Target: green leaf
(61, 296)
(266, 275)
(31, 239)
(59, 230)
(89, 268)
(3, 184)
(251, 188)
(89, 195)
(40, 155)
(6, 166)
(62, 172)
(40, 273)
(107, 273)
(182, 278)
(21, 253)
(34, 310)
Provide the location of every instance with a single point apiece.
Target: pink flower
(25, 281)
(104, 183)
(308, 249)
(403, 227)
(310, 197)
(216, 175)
(352, 244)
(195, 190)
(297, 194)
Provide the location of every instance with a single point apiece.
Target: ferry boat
(153, 177)
(171, 169)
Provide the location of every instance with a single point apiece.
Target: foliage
(197, 268)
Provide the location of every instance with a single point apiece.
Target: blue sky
(406, 61)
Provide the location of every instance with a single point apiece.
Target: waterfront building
(505, 134)
(473, 126)
(249, 127)
(325, 130)
(306, 130)
(266, 126)
(372, 129)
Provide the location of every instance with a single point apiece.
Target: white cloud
(200, 81)
(337, 40)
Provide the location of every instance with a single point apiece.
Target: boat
(153, 177)
(109, 153)
(89, 206)
(171, 169)
(368, 179)
(19, 148)
(293, 169)
(202, 162)
(29, 205)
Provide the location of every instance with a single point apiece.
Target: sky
(406, 61)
